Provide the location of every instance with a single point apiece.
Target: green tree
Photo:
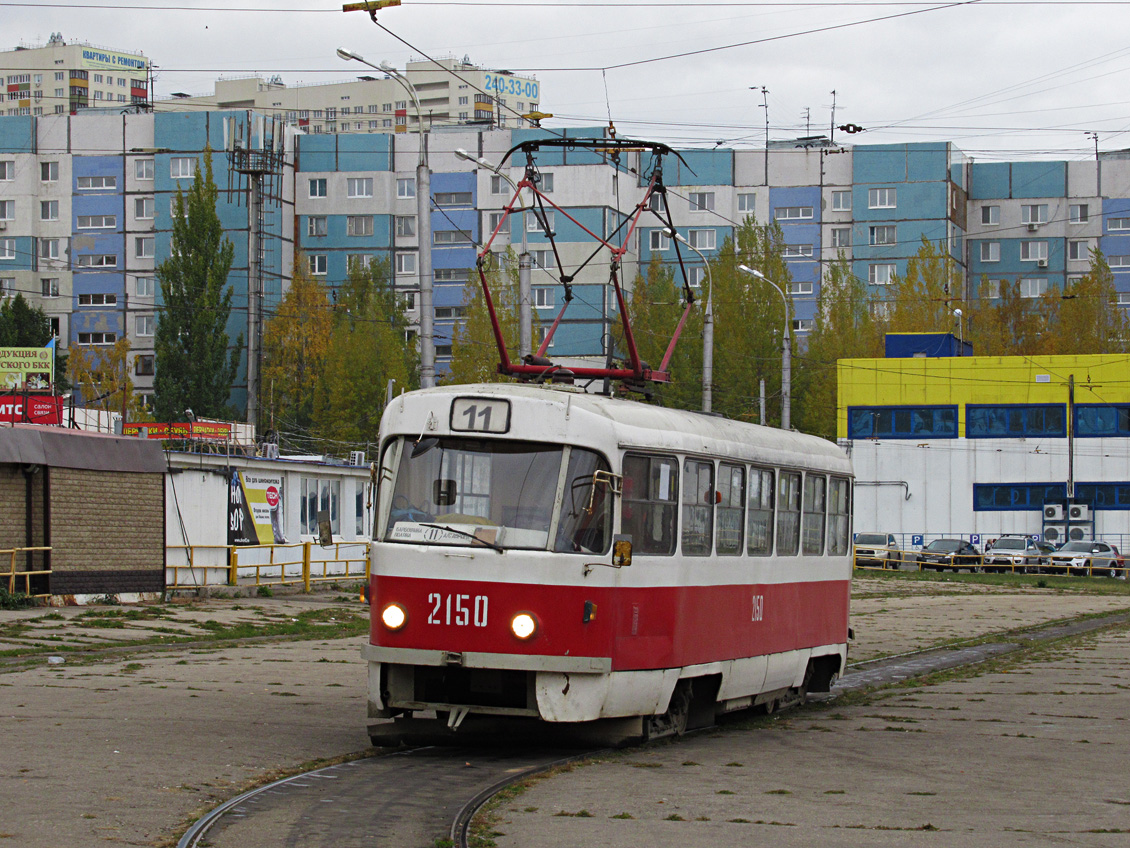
(195, 365)
(474, 351)
(367, 348)
(24, 325)
(296, 343)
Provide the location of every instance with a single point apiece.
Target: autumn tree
(368, 346)
(1085, 318)
(1006, 325)
(296, 343)
(923, 300)
(102, 377)
(474, 351)
(195, 365)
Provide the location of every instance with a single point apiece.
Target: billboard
(200, 430)
(108, 60)
(31, 409)
(255, 505)
(33, 366)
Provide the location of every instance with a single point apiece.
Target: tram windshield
(500, 494)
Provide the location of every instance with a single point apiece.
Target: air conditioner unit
(357, 458)
(1033, 227)
(1053, 512)
(1041, 263)
(1078, 534)
(1079, 512)
(271, 450)
(1055, 533)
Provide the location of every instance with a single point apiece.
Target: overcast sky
(1001, 79)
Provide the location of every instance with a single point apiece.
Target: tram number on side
(758, 607)
(460, 610)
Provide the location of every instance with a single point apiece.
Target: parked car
(941, 554)
(1014, 553)
(1089, 557)
(877, 549)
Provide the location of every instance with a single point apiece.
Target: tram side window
(839, 517)
(585, 522)
(649, 506)
(731, 489)
(788, 513)
(814, 510)
(760, 521)
(698, 507)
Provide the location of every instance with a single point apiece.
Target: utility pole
(765, 106)
(832, 128)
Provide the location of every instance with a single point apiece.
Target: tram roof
(644, 425)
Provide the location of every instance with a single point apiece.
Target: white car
(1088, 557)
(1013, 553)
(877, 549)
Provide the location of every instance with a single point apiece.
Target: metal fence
(15, 574)
(302, 563)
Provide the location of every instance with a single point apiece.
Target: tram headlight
(523, 625)
(393, 616)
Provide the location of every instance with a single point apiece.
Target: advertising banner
(217, 431)
(34, 366)
(255, 507)
(108, 60)
(31, 409)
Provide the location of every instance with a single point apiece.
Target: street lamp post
(525, 296)
(786, 353)
(707, 328)
(423, 225)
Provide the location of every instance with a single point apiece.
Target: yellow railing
(12, 574)
(303, 563)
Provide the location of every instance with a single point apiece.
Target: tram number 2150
(460, 610)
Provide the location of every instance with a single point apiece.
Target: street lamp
(786, 353)
(525, 297)
(423, 224)
(707, 327)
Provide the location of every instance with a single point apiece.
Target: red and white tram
(541, 552)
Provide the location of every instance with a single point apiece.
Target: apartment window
(841, 201)
(882, 198)
(1034, 213)
(7, 248)
(453, 198)
(49, 286)
(657, 203)
(7, 286)
(451, 237)
(359, 261)
(406, 263)
(318, 187)
(316, 225)
(702, 239)
(702, 201)
(173, 207)
(545, 183)
(1118, 224)
(182, 167)
(544, 298)
(7, 210)
(359, 187)
(405, 226)
(841, 237)
(801, 289)
(97, 338)
(747, 202)
(143, 325)
(990, 251)
(990, 289)
(97, 222)
(406, 187)
(797, 251)
(145, 286)
(792, 213)
(1033, 251)
(696, 274)
(48, 248)
(659, 240)
(143, 169)
(1080, 250)
(143, 247)
(452, 275)
(97, 300)
(990, 216)
(49, 210)
(802, 325)
(540, 221)
(499, 221)
(144, 208)
(408, 303)
(319, 264)
(1033, 286)
(49, 172)
(98, 78)
(543, 259)
(498, 185)
(1079, 213)
(881, 274)
(882, 235)
(1118, 261)
(7, 169)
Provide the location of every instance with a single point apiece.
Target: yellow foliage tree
(102, 377)
(474, 351)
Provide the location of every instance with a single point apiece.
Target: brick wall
(107, 531)
(13, 516)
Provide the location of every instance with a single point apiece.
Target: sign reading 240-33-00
(501, 84)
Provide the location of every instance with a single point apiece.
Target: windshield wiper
(498, 548)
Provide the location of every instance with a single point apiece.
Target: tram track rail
(447, 787)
